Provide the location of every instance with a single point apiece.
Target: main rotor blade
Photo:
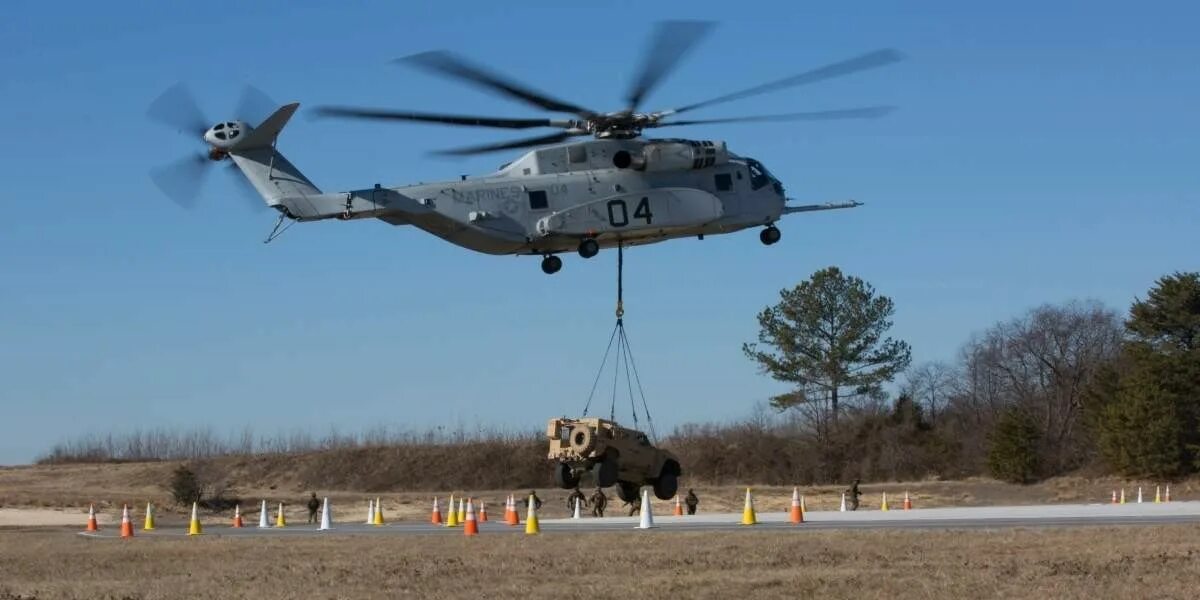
(254, 106)
(444, 63)
(870, 112)
(521, 143)
(182, 180)
(672, 39)
(396, 115)
(863, 62)
(176, 108)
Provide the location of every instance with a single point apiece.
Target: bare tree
(931, 384)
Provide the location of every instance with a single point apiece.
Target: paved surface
(1057, 515)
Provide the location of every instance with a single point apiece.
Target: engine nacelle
(682, 155)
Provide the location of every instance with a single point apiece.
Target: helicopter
(616, 189)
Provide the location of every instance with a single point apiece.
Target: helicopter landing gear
(589, 248)
(770, 235)
(551, 264)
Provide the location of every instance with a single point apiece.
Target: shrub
(1013, 455)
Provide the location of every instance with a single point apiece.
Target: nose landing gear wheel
(770, 235)
(588, 248)
(551, 264)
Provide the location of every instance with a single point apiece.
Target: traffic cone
(576, 513)
(325, 518)
(237, 515)
(843, 507)
(883, 504)
(1122, 496)
(1167, 496)
(370, 511)
(1139, 500)
(194, 525)
(646, 513)
(92, 525)
(531, 520)
(1114, 497)
(748, 516)
(280, 520)
(482, 513)
(262, 516)
(451, 514)
(126, 526)
(803, 504)
(907, 501)
(1157, 494)
(471, 527)
(462, 510)
(436, 516)
(378, 512)
(149, 525)
(797, 515)
(678, 507)
(510, 511)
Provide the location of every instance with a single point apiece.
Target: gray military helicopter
(617, 189)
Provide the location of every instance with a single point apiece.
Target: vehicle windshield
(759, 176)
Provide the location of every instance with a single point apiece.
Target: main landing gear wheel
(770, 235)
(551, 264)
(589, 248)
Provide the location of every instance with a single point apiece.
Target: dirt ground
(69, 489)
(1110, 562)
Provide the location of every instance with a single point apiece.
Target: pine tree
(1013, 456)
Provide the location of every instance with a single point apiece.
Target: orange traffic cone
(237, 515)
(797, 515)
(1114, 497)
(91, 522)
(678, 507)
(907, 502)
(472, 527)
(510, 512)
(482, 512)
(436, 516)
(126, 525)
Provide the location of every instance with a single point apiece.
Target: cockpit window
(758, 174)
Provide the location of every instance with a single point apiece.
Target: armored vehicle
(613, 455)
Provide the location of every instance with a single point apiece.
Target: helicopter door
(727, 182)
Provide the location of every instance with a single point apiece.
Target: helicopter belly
(658, 209)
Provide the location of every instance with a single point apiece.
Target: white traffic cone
(262, 516)
(325, 524)
(843, 507)
(370, 511)
(647, 520)
(576, 515)
(1139, 500)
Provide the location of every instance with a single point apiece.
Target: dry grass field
(1111, 562)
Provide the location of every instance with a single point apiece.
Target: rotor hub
(223, 136)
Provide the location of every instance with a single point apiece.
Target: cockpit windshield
(758, 174)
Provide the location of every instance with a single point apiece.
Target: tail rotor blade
(254, 106)
(176, 108)
(182, 180)
(243, 189)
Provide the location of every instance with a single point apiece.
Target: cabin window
(537, 200)
(724, 182)
(577, 154)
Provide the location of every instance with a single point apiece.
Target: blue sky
(1042, 152)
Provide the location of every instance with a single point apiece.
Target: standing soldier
(599, 501)
(576, 497)
(635, 506)
(313, 505)
(691, 500)
(854, 494)
(537, 502)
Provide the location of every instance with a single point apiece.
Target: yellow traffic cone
(883, 505)
(531, 521)
(462, 510)
(1157, 494)
(748, 516)
(1122, 496)
(378, 512)
(149, 526)
(280, 521)
(194, 526)
(451, 513)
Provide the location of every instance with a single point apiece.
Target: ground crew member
(599, 501)
(313, 505)
(635, 506)
(537, 502)
(691, 501)
(575, 497)
(854, 494)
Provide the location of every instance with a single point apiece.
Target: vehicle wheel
(770, 235)
(582, 440)
(605, 471)
(626, 491)
(666, 485)
(589, 248)
(551, 264)
(564, 477)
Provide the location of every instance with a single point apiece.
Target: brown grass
(1160, 562)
